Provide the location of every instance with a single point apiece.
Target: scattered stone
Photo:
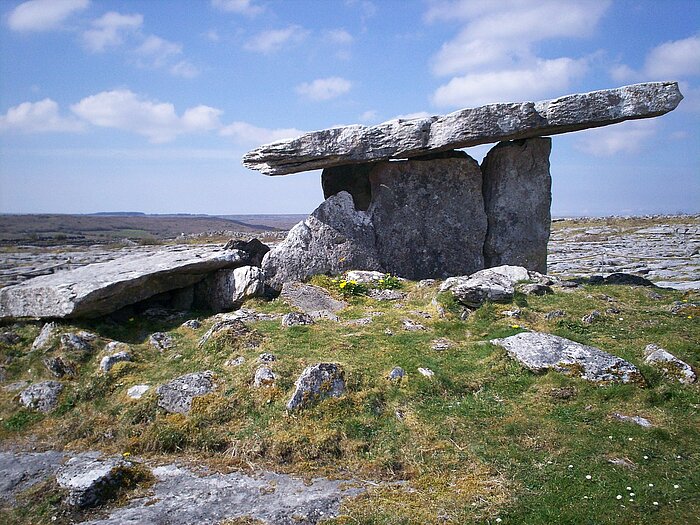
(517, 199)
(362, 321)
(109, 361)
(267, 358)
(411, 325)
(312, 300)
(592, 317)
(9, 338)
(315, 383)
(402, 138)
(161, 341)
(654, 295)
(297, 319)
(421, 313)
(102, 288)
(638, 420)
(515, 314)
(492, 284)
(232, 327)
(388, 332)
(614, 310)
(246, 315)
(540, 352)
(58, 367)
(254, 249)
(427, 372)
(90, 479)
(41, 396)
(534, 289)
(116, 346)
(237, 361)
(426, 283)
(364, 276)
(685, 308)
(137, 391)
(44, 338)
(177, 395)
(80, 342)
(397, 374)
(441, 344)
(386, 295)
(622, 462)
(669, 364)
(264, 377)
(554, 314)
(192, 324)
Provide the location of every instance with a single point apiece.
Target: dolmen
(401, 196)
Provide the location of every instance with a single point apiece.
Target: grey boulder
(297, 319)
(109, 361)
(540, 352)
(312, 300)
(669, 364)
(317, 382)
(41, 396)
(492, 284)
(43, 340)
(264, 376)
(177, 395)
(229, 289)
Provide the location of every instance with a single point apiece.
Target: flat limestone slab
(102, 288)
(464, 128)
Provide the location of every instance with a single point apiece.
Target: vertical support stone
(517, 198)
(428, 216)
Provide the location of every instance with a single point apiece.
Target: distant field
(49, 229)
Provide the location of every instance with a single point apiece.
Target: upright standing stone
(428, 217)
(517, 197)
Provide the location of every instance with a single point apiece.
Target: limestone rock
(264, 376)
(427, 372)
(315, 383)
(58, 367)
(192, 324)
(386, 295)
(89, 479)
(297, 319)
(254, 249)
(101, 288)
(44, 338)
(109, 361)
(80, 342)
(637, 420)
(670, 365)
(333, 239)
(365, 276)
(161, 341)
(116, 346)
(177, 395)
(492, 284)
(428, 217)
(312, 300)
(396, 375)
(137, 391)
(540, 352)
(228, 289)
(467, 127)
(517, 199)
(41, 396)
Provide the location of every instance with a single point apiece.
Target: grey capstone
(316, 383)
(41, 396)
(177, 395)
(540, 352)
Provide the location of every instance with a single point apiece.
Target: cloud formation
(249, 135)
(38, 117)
(673, 60)
(324, 88)
(110, 30)
(626, 137)
(493, 59)
(241, 7)
(275, 39)
(43, 15)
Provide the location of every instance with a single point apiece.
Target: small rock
(386, 295)
(297, 319)
(427, 372)
(421, 313)
(592, 317)
(388, 332)
(233, 327)
(177, 395)
(411, 326)
(669, 364)
(41, 396)
(267, 358)
(534, 289)
(116, 346)
(441, 344)
(364, 276)
(315, 383)
(17, 385)
(161, 341)
(426, 283)
(312, 300)
(439, 308)
(612, 311)
(80, 342)
(642, 422)
(515, 314)
(44, 338)
(264, 376)
(109, 361)
(397, 374)
(89, 479)
(58, 367)
(192, 324)
(622, 462)
(654, 295)
(238, 361)
(554, 314)
(137, 391)
(362, 321)
(492, 284)
(626, 279)
(9, 338)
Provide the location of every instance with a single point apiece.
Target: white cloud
(242, 7)
(109, 30)
(42, 15)
(158, 51)
(627, 137)
(250, 135)
(370, 115)
(184, 69)
(676, 59)
(338, 36)
(123, 109)
(511, 85)
(275, 39)
(38, 117)
(411, 116)
(324, 88)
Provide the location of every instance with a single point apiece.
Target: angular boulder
(109, 361)
(264, 376)
(517, 198)
(492, 284)
(229, 289)
(90, 479)
(400, 138)
(297, 319)
(669, 364)
(333, 239)
(41, 396)
(317, 382)
(177, 395)
(540, 352)
(43, 340)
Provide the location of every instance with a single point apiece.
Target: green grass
(483, 439)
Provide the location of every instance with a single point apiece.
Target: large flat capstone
(401, 138)
(102, 288)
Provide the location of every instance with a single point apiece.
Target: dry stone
(669, 364)
(315, 383)
(41, 396)
(177, 395)
(517, 199)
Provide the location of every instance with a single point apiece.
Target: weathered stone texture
(517, 199)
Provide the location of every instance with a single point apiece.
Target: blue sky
(148, 105)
